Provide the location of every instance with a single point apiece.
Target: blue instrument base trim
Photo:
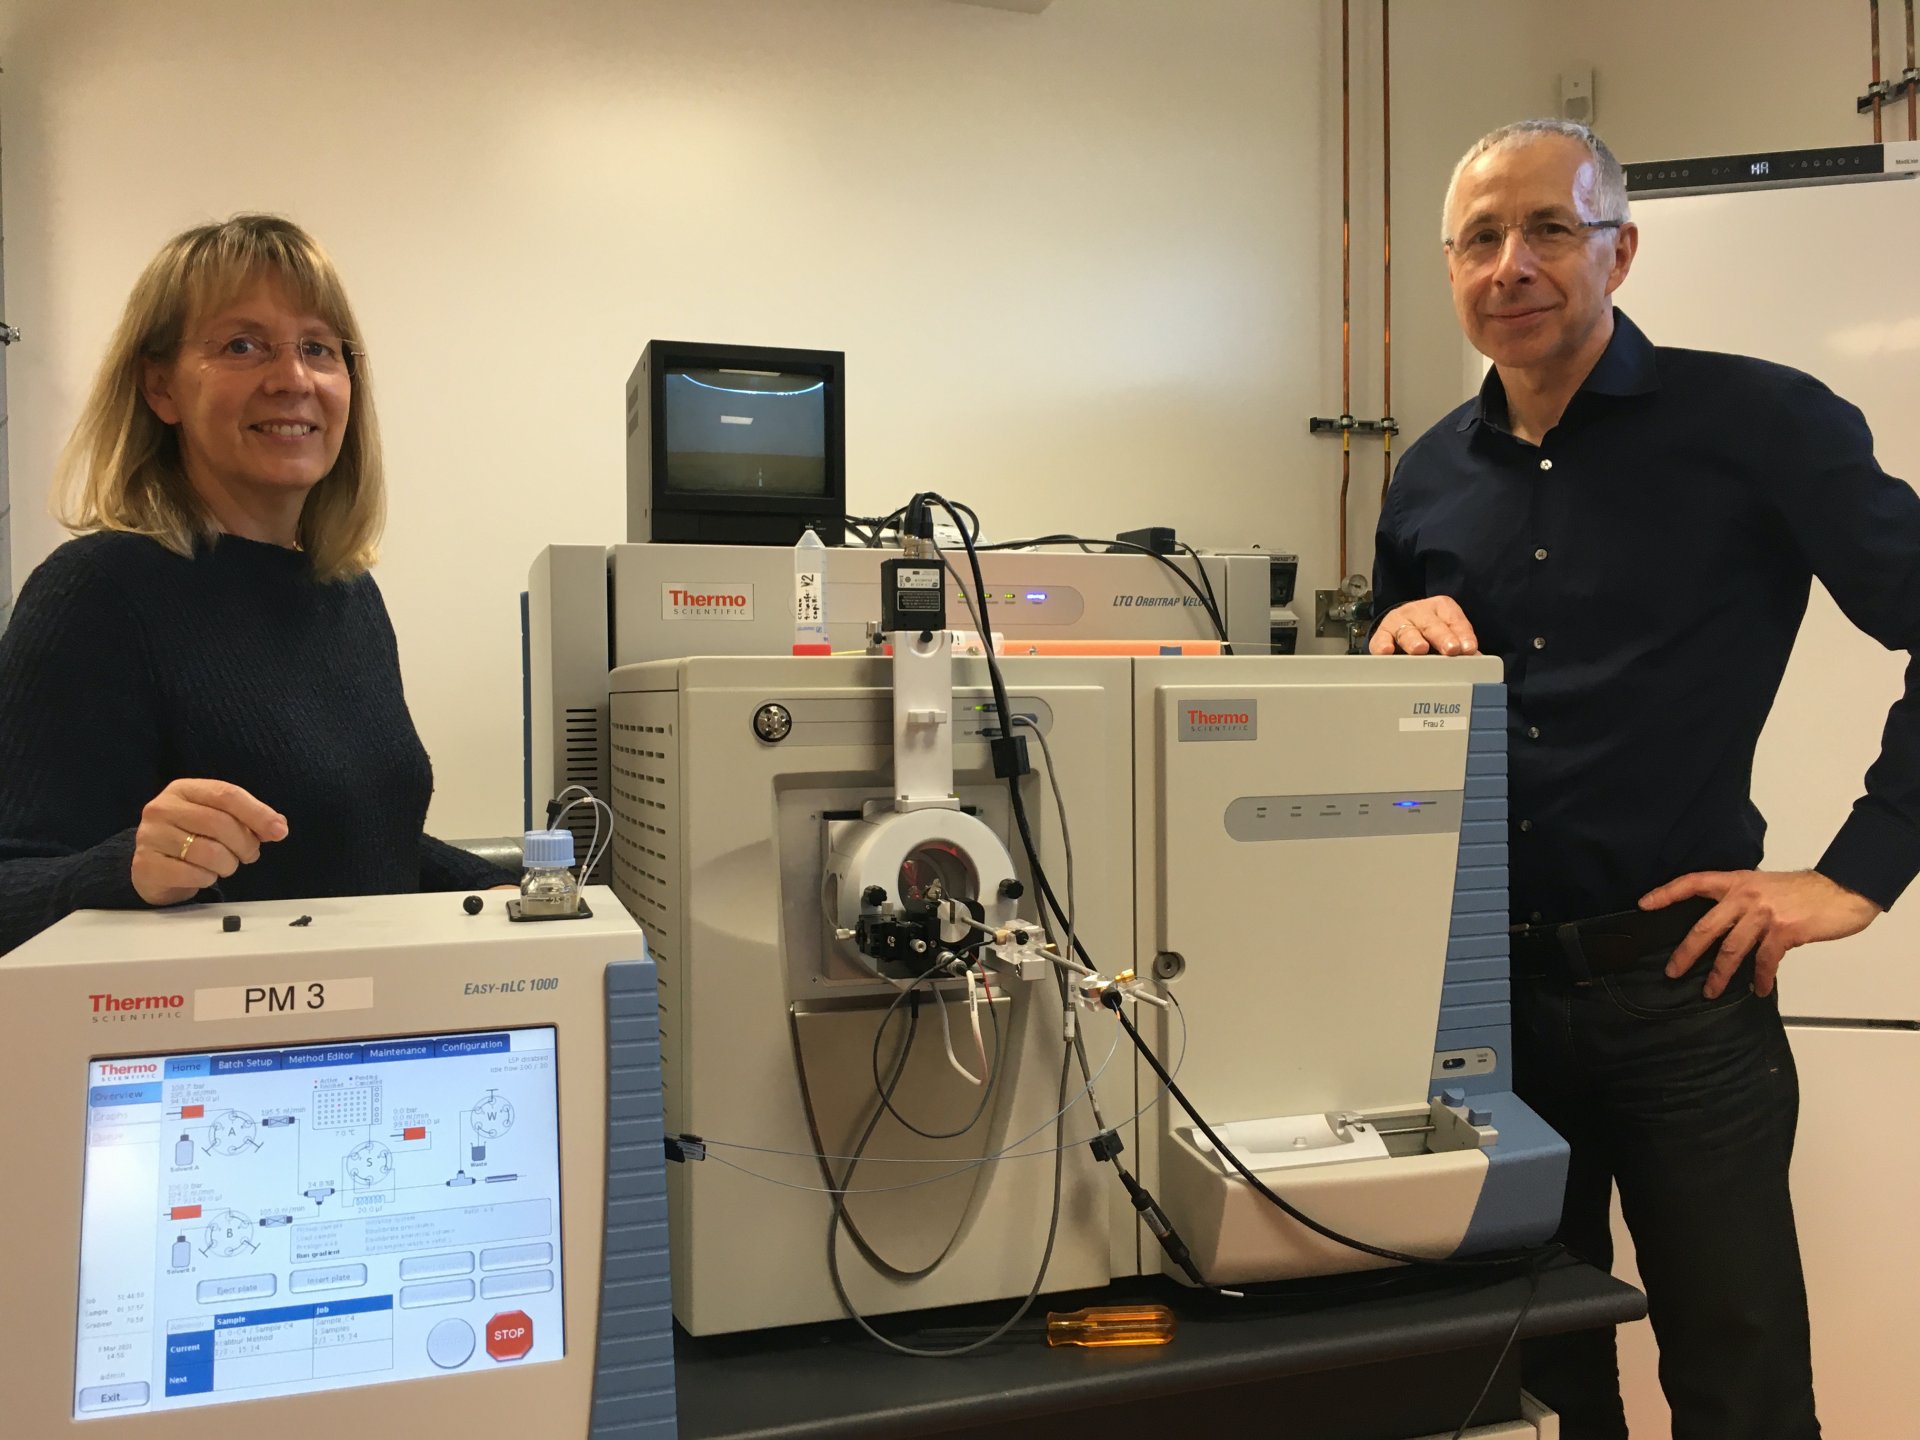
(633, 1396)
(1526, 1180)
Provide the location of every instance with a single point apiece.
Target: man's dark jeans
(1690, 1106)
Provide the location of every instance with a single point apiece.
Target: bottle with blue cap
(548, 887)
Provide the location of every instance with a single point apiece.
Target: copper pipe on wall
(1913, 82)
(1873, 14)
(1346, 282)
(1386, 255)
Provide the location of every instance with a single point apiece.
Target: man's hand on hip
(1759, 910)
(1435, 625)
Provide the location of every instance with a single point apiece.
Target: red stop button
(510, 1335)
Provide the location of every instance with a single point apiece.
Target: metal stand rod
(1386, 253)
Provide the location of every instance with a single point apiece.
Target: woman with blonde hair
(200, 695)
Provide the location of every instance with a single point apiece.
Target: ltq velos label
(1435, 715)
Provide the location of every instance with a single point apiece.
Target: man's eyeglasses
(1547, 236)
(321, 354)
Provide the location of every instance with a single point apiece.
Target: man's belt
(1606, 944)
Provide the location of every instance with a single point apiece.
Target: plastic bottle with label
(810, 596)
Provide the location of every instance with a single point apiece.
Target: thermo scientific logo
(705, 601)
(1230, 719)
(135, 1007)
(111, 1071)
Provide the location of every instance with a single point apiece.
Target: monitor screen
(258, 1223)
(745, 432)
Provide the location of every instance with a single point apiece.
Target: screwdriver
(1101, 1326)
(1098, 1327)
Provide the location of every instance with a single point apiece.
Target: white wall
(1084, 263)
(1725, 77)
(1077, 260)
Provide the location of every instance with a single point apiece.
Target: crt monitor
(394, 1167)
(734, 444)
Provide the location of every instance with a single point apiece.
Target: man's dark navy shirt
(1643, 572)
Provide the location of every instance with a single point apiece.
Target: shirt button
(1546, 464)
(1533, 732)
(1540, 554)
(1535, 917)
(1539, 642)
(1526, 825)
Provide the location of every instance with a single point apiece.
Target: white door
(1822, 279)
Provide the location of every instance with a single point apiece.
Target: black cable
(889, 521)
(1046, 891)
(970, 536)
(1017, 801)
(1046, 1255)
(1533, 1289)
(1048, 897)
(1207, 604)
(1478, 1262)
(868, 1251)
(1201, 566)
(1156, 1219)
(896, 521)
(885, 1092)
(836, 1187)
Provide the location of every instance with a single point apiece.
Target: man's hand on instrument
(1433, 626)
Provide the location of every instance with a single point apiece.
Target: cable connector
(1098, 990)
(1106, 1145)
(1009, 756)
(1154, 539)
(683, 1148)
(916, 530)
(1156, 1220)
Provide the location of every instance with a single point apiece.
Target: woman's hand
(194, 833)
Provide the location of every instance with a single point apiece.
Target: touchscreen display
(258, 1223)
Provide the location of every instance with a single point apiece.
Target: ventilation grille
(648, 833)
(581, 756)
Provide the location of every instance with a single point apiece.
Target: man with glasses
(1633, 530)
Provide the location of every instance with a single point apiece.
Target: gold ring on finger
(186, 845)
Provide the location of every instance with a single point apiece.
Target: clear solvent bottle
(548, 885)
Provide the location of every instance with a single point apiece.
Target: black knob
(1011, 889)
(473, 904)
(229, 923)
(873, 895)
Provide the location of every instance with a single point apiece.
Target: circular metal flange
(773, 723)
